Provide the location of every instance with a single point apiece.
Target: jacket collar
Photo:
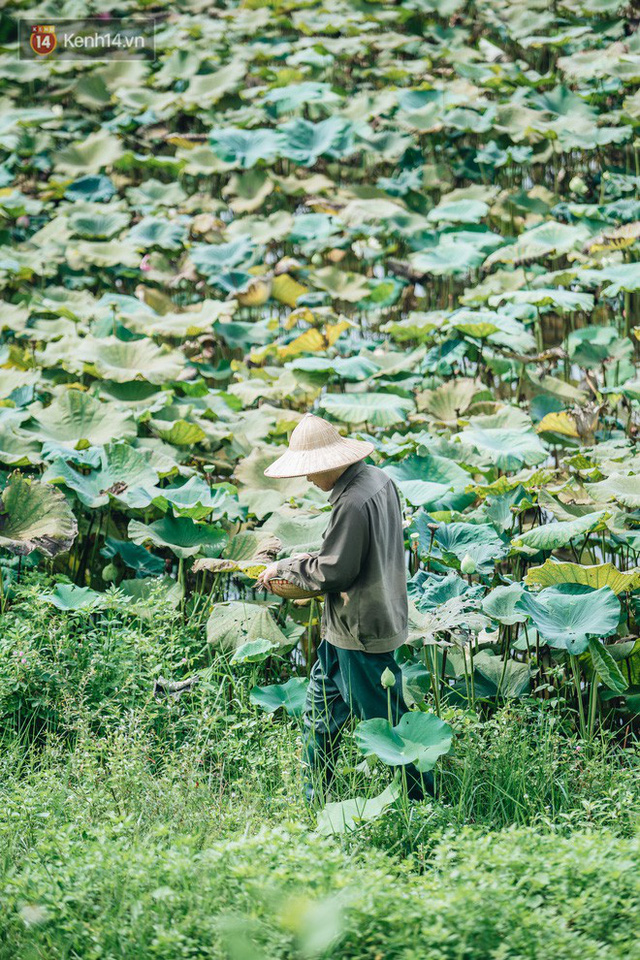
(343, 481)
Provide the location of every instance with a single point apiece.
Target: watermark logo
(43, 40)
(91, 38)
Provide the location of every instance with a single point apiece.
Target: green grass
(134, 827)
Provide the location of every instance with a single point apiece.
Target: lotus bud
(109, 573)
(468, 564)
(577, 185)
(387, 679)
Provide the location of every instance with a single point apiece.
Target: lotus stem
(593, 704)
(575, 668)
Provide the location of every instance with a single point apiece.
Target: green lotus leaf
(378, 409)
(562, 301)
(99, 225)
(122, 361)
(158, 232)
(197, 500)
(500, 604)
(67, 596)
(243, 148)
(344, 816)
(552, 536)
(548, 239)
(180, 535)
(254, 651)
(124, 474)
(35, 516)
(416, 326)
(606, 667)
(478, 541)
(313, 231)
(459, 211)
(623, 489)
(297, 530)
(341, 284)
(212, 259)
(510, 680)
(479, 324)
(101, 253)
(449, 401)
(76, 419)
(16, 449)
(154, 193)
(98, 150)
(432, 482)
(567, 615)
(346, 368)
(506, 439)
(305, 142)
(290, 696)
(294, 95)
(450, 256)
(591, 346)
(207, 88)
(179, 433)
(419, 738)
(553, 572)
(236, 622)
(95, 189)
(263, 495)
(144, 563)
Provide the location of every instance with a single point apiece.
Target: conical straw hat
(315, 445)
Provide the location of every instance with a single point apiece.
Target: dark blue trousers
(346, 683)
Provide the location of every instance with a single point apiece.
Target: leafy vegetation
(422, 221)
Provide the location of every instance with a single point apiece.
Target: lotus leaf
(180, 535)
(236, 622)
(290, 696)
(35, 516)
(567, 615)
(598, 575)
(432, 482)
(419, 739)
(76, 419)
(124, 474)
(554, 535)
(379, 409)
(344, 816)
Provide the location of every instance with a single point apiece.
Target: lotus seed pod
(468, 564)
(109, 573)
(387, 679)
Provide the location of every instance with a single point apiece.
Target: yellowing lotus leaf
(287, 290)
(596, 575)
(560, 422)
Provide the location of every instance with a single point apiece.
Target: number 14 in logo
(43, 40)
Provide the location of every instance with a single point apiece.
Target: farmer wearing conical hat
(360, 568)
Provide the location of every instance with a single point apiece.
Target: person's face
(324, 479)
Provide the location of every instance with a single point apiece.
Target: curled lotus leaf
(35, 516)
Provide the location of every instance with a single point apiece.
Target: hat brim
(299, 463)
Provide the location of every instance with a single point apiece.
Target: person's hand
(262, 581)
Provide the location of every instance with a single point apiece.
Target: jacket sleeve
(340, 558)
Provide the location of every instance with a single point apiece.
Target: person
(360, 569)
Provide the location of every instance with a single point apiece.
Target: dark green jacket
(361, 564)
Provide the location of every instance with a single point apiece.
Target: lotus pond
(420, 220)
